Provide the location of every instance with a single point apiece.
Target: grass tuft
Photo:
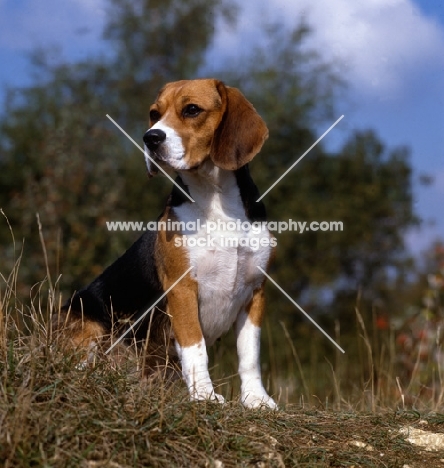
(55, 415)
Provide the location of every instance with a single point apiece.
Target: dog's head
(192, 121)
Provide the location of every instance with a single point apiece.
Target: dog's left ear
(241, 131)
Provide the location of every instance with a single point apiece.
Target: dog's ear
(241, 131)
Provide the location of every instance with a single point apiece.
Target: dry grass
(52, 414)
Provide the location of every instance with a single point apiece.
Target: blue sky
(390, 51)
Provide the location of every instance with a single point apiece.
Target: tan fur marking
(76, 334)
(229, 130)
(182, 300)
(240, 135)
(81, 333)
(256, 307)
(196, 132)
(89, 332)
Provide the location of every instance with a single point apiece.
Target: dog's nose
(153, 138)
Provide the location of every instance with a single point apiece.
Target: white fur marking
(195, 372)
(90, 357)
(172, 151)
(253, 394)
(226, 275)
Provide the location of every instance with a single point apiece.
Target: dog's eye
(191, 110)
(154, 115)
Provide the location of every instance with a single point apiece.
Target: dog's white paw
(205, 394)
(258, 400)
(90, 357)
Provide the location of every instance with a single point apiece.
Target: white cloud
(380, 39)
(378, 42)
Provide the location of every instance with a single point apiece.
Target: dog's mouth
(158, 155)
(159, 159)
(154, 160)
(151, 159)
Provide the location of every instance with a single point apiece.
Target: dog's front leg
(248, 332)
(189, 340)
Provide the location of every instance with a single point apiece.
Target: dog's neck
(214, 190)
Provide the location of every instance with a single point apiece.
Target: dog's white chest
(224, 255)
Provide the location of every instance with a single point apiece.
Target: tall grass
(367, 377)
(55, 414)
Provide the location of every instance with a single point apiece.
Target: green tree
(60, 157)
(365, 185)
(157, 41)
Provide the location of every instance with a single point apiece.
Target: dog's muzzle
(153, 139)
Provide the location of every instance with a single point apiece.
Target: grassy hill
(55, 415)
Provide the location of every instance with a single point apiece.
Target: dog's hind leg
(79, 334)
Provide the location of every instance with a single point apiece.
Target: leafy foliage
(61, 158)
(365, 185)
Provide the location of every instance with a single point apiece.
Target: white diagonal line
(151, 159)
(301, 309)
(147, 311)
(294, 164)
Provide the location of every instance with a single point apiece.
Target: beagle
(207, 133)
